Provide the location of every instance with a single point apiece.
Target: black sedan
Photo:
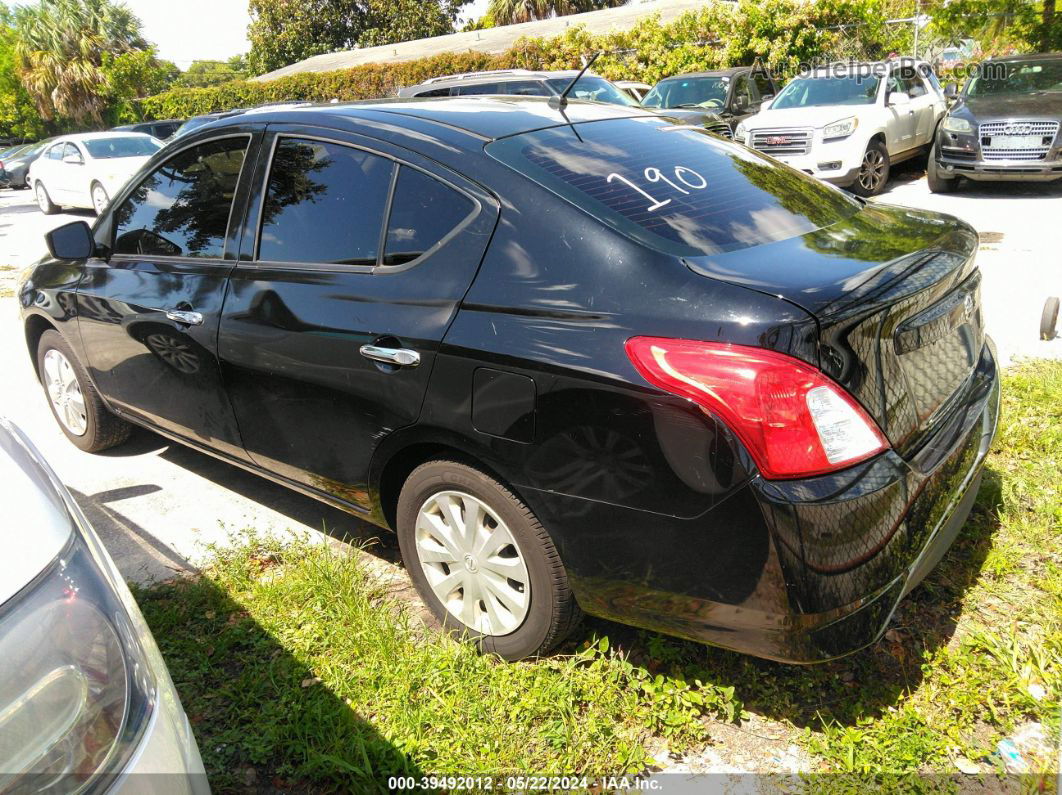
(1004, 125)
(579, 360)
(14, 167)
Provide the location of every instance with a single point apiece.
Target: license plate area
(1012, 141)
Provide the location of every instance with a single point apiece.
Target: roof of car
(499, 75)
(730, 72)
(488, 117)
(91, 136)
(1039, 56)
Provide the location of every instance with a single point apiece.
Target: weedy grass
(296, 666)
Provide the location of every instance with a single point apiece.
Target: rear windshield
(121, 146)
(675, 188)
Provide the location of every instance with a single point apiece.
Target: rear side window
(435, 92)
(182, 208)
(325, 203)
(525, 88)
(423, 212)
(675, 188)
(481, 88)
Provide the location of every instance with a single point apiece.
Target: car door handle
(402, 357)
(183, 316)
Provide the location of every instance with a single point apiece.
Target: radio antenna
(560, 102)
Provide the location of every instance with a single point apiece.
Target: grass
(297, 669)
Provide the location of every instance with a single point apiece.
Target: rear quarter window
(674, 187)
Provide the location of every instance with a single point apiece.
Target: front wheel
(873, 170)
(482, 562)
(44, 201)
(99, 198)
(74, 401)
(937, 182)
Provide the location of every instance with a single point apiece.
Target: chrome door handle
(181, 316)
(403, 357)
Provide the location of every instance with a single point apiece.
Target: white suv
(848, 122)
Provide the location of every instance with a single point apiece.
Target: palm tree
(509, 12)
(60, 48)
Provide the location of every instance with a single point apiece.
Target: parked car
(850, 123)
(1004, 125)
(86, 170)
(576, 359)
(521, 83)
(162, 129)
(86, 702)
(635, 89)
(732, 94)
(7, 154)
(16, 166)
(196, 122)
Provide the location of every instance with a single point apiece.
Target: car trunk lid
(896, 295)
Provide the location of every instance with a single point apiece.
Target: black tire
(552, 611)
(44, 201)
(872, 180)
(103, 429)
(937, 182)
(1049, 318)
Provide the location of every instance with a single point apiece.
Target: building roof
(492, 40)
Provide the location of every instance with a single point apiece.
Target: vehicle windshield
(809, 92)
(1016, 77)
(676, 189)
(594, 89)
(689, 92)
(121, 146)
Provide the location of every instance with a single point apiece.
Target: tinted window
(742, 99)
(763, 85)
(525, 88)
(325, 203)
(481, 88)
(423, 212)
(125, 146)
(435, 92)
(182, 208)
(677, 189)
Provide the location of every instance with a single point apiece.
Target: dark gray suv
(1004, 125)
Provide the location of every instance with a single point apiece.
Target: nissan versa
(578, 359)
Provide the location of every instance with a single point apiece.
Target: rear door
(355, 256)
(149, 316)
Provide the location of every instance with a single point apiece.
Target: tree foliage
(18, 115)
(999, 25)
(60, 53)
(211, 73)
(509, 12)
(283, 32)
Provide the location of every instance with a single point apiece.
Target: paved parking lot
(157, 504)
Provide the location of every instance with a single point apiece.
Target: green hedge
(783, 34)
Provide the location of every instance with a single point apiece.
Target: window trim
(333, 267)
(113, 231)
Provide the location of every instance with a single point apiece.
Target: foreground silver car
(86, 702)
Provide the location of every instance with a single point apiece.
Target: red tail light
(793, 420)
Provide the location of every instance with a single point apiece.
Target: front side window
(677, 189)
(848, 89)
(182, 208)
(56, 152)
(763, 85)
(742, 99)
(125, 146)
(72, 151)
(423, 212)
(324, 203)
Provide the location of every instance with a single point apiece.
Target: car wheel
(99, 198)
(44, 201)
(77, 407)
(482, 562)
(937, 182)
(873, 170)
(1049, 318)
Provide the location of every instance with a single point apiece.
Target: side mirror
(74, 160)
(951, 90)
(767, 98)
(899, 98)
(71, 241)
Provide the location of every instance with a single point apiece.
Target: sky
(193, 30)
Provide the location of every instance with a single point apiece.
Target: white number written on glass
(687, 176)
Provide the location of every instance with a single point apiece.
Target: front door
(355, 257)
(900, 123)
(149, 316)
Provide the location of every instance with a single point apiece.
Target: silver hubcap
(873, 170)
(42, 197)
(99, 198)
(65, 392)
(473, 563)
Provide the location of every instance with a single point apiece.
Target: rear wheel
(76, 405)
(938, 183)
(1049, 318)
(482, 562)
(873, 170)
(44, 201)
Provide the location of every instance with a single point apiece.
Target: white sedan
(87, 170)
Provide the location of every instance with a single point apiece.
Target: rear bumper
(820, 576)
